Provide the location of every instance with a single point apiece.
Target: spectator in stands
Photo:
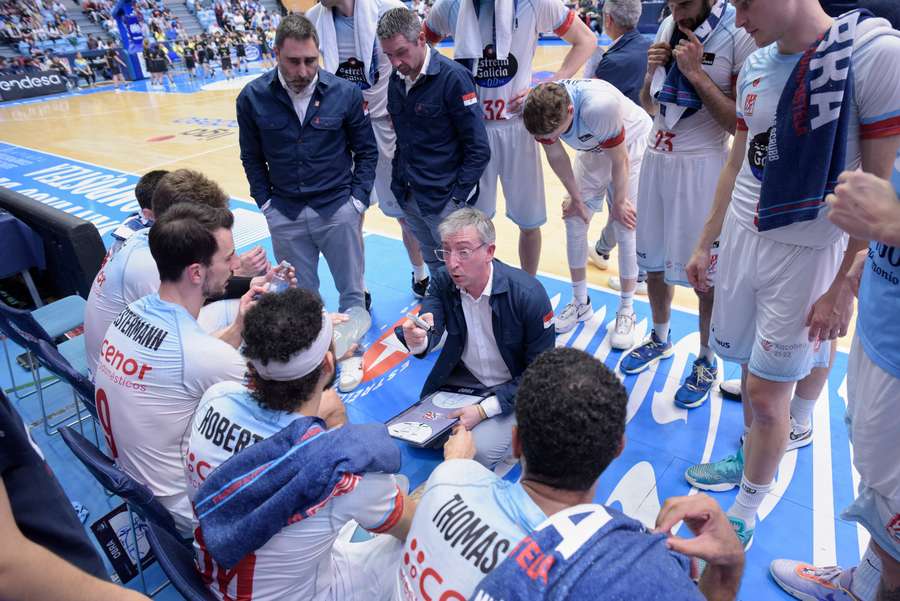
(40, 532)
(83, 70)
(291, 370)
(571, 413)
(497, 318)
(92, 42)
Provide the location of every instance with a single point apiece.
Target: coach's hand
(689, 55)
(416, 337)
(575, 207)
(469, 416)
(829, 317)
(253, 262)
(698, 268)
(625, 213)
(460, 445)
(865, 206)
(854, 274)
(658, 55)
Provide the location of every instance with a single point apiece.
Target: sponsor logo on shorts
(783, 351)
(722, 343)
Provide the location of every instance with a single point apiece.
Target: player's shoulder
(460, 472)
(223, 390)
(879, 42)
(759, 62)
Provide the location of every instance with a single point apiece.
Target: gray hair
(297, 27)
(399, 20)
(624, 13)
(465, 217)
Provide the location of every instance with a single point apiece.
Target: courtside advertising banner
(29, 85)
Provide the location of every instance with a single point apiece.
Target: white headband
(301, 363)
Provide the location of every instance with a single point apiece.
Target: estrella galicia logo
(493, 72)
(354, 71)
(758, 152)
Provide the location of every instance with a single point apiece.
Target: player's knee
(770, 400)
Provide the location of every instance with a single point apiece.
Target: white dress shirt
(411, 81)
(300, 100)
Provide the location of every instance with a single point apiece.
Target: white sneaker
(622, 337)
(351, 373)
(731, 389)
(798, 437)
(572, 314)
(601, 261)
(616, 284)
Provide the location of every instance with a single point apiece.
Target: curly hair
(278, 326)
(570, 410)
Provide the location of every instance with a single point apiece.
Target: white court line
(862, 535)
(824, 541)
(191, 156)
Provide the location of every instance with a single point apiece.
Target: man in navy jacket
(625, 61)
(497, 318)
(442, 146)
(309, 154)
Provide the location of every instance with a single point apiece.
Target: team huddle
(735, 154)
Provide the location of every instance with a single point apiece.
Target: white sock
(420, 272)
(748, 500)
(626, 303)
(662, 330)
(706, 353)
(867, 576)
(802, 409)
(580, 290)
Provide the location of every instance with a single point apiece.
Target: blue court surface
(799, 519)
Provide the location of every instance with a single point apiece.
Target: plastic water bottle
(280, 281)
(348, 333)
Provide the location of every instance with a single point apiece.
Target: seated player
(497, 319)
(571, 423)
(143, 194)
(131, 273)
(288, 343)
(609, 131)
(155, 362)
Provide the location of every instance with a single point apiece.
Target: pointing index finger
(689, 33)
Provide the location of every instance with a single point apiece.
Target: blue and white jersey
(724, 53)
(466, 523)
(590, 552)
(879, 300)
(602, 116)
(875, 112)
(124, 277)
(297, 562)
(154, 364)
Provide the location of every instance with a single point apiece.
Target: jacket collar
(625, 39)
(325, 79)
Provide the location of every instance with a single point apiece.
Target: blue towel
(676, 88)
(597, 553)
(284, 479)
(810, 133)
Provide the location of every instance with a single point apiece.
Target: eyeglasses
(464, 254)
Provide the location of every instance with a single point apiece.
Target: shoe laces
(702, 374)
(569, 310)
(624, 322)
(728, 465)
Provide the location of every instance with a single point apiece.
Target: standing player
(350, 50)
(240, 50)
(225, 55)
(699, 49)
(190, 60)
(115, 65)
(782, 264)
(609, 133)
(499, 40)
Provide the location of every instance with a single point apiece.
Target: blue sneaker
(647, 354)
(809, 583)
(744, 534)
(718, 476)
(695, 389)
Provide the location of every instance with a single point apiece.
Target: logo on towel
(493, 72)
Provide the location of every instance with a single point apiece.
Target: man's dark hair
(185, 235)
(297, 27)
(186, 185)
(278, 326)
(570, 410)
(143, 192)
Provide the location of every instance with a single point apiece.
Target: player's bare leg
(530, 249)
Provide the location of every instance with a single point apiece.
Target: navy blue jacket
(625, 64)
(522, 320)
(442, 146)
(323, 162)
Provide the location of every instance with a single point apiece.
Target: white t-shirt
(467, 522)
(874, 113)
(153, 366)
(499, 80)
(297, 562)
(351, 66)
(124, 277)
(603, 117)
(723, 54)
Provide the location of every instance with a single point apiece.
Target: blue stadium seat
(177, 561)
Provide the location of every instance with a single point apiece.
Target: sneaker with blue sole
(717, 476)
(744, 534)
(807, 582)
(647, 354)
(695, 389)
